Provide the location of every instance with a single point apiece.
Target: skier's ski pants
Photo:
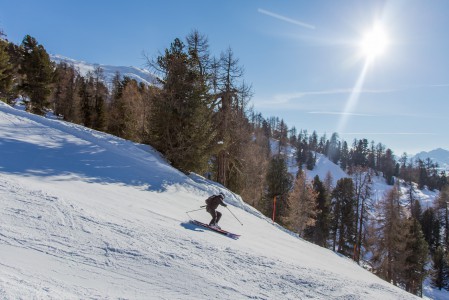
(216, 216)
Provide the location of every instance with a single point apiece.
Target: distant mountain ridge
(440, 156)
(139, 74)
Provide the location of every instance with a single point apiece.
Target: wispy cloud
(284, 98)
(341, 113)
(388, 133)
(287, 97)
(435, 85)
(286, 19)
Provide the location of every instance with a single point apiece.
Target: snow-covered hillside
(140, 75)
(379, 185)
(87, 215)
(323, 166)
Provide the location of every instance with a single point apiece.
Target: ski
(218, 230)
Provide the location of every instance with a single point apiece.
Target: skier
(211, 205)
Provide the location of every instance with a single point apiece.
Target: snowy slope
(87, 215)
(140, 75)
(379, 185)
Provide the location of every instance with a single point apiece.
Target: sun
(374, 43)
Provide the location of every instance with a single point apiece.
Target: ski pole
(234, 216)
(196, 209)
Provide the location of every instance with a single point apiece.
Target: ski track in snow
(36, 222)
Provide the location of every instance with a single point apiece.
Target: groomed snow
(84, 215)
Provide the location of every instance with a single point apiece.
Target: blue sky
(302, 57)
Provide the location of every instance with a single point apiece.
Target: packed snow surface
(85, 215)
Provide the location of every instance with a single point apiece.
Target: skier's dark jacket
(213, 202)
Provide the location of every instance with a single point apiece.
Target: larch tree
(302, 205)
(147, 93)
(387, 238)
(65, 98)
(233, 128)
(256, 159)
(131, 107)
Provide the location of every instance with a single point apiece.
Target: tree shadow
(91, 163)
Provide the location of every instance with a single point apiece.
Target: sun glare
(374, 43)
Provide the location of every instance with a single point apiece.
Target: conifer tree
(313, 141)
(100, 94)
(359, 153)
(292, 136)
(372, 156)
(311, 161)
(85, 103)
(37, 71)
(320, 232)
(343, 205)
(333, 151)
(416, 251)
(303, 148)
(380, 152)
(443, 207)
(344, 157)
(279, 182)
(431, 228)
(281, 136)
(181, 117)
(117, 109)
(388, 167)
(440, 269)
(6, 71)
(329, 182)
(361, 177)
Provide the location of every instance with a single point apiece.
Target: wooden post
(274, 207)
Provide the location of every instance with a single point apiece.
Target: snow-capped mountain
(139, 74)
(84, 214)
(440, 156)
